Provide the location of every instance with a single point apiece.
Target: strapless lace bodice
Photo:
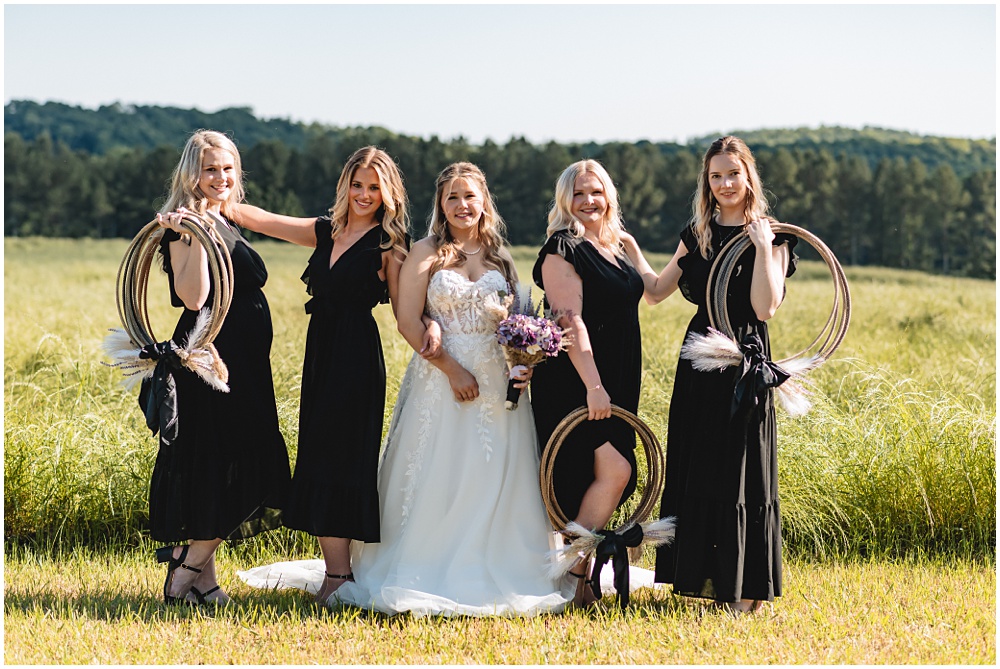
(461, 306)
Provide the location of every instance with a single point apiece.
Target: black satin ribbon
(158, 395)
(513, 394)
(757, 374)
(615, 547)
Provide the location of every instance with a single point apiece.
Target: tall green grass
(896, 457)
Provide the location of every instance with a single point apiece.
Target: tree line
(872, 208)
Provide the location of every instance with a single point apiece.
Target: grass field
(888, 491)
(97, 608)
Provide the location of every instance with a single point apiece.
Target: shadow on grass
(292, 605)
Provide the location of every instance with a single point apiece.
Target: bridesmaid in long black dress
(595, 290)
(225, 474)
(359, 250)
(721, 471)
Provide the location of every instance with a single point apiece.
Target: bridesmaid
(225, 474)
(593, 288)
(722, 469)
(359, 249)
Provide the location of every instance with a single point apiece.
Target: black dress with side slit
(611, 295)
(721, 471)
(334, 489)
(226, 473)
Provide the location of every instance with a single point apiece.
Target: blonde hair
(184, 190)
(490, 228)
(561, 214)
(392, 214)
(705, 205)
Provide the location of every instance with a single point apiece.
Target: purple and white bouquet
(527, 339)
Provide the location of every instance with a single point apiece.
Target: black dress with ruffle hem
(721, 472)
(334, 489)
(226, 473)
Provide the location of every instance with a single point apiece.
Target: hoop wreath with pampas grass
(135, 349)
(606, 544)
(719, 349)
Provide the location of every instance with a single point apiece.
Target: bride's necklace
(471, 253)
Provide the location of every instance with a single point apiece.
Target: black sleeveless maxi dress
(226, 473)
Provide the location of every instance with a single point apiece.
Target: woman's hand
(523, 375)
(431, 342)
(598, 403)
(172, 221)
(463, 384)
(767, 285)
(760, 233)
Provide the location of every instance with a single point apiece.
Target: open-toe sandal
(166, 554)
(203, 596)
(345, 577)
(580, 591)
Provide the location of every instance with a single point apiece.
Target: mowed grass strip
(100, 607)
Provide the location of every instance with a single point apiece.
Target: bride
(463, 527)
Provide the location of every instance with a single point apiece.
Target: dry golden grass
(102, 608)
(77, 458)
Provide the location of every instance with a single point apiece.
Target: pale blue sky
(565, 72)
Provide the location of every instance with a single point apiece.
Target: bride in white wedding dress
(463, 527)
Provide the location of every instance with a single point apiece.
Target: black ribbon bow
(757, 374)
(615, 547)
(158, 395)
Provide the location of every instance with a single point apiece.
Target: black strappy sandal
(203, 596)
(166, 554)
(581, 584)
(346, 577)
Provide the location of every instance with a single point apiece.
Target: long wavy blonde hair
(705, 206)
(184, 190)
(561, 214)
(392, 215)
(491, 229)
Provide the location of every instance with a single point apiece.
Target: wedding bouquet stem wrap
(719, 349)
(610, 544)
(135, 349)
(515, 357)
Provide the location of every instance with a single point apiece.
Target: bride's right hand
(463, 384)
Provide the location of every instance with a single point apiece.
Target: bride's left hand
(523, 374)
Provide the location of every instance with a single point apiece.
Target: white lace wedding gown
(464, 530)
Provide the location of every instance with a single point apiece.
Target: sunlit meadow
(888, 491)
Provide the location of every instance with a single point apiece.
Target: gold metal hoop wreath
(134, 349)
(654, 461)
(835, 328)
(133, 280)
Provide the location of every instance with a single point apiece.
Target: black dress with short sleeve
(226, 473)
(611, 295)
(334, 489)
(721, 472)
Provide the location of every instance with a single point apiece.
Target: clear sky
(567, 72)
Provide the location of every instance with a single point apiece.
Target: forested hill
(139, 126)
(875, 196)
